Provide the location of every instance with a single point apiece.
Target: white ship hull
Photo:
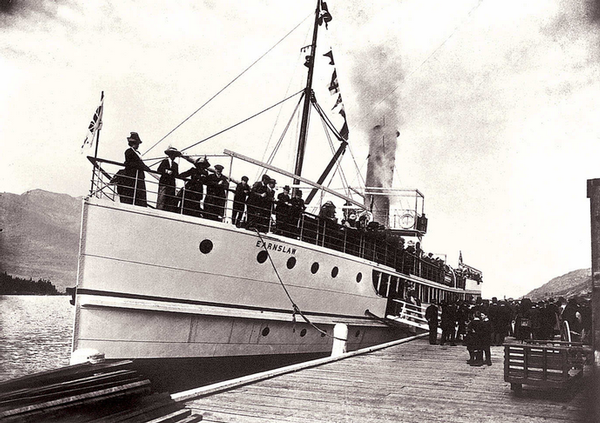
(147, 291)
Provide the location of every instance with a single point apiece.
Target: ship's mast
(310, 62)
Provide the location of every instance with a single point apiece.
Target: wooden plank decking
(412, 382)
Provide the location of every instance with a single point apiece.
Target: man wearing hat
(327, 211)
(134, 186)
(296, 210)
(282, 211)
(168, 170)
(239, 201)
(259, 206)
(191, 194)
(216, 194)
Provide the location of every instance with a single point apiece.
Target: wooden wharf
(92, 393)
(408, 382)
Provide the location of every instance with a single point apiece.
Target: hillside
(40, 236)
(575, 283)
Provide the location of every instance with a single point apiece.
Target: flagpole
(97, 141)
(100, 127)
(307, 97)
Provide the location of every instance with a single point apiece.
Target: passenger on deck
(363, 220)
(270, 199)
(351, 222)
(296, 210)
(328, 211)
(282, 211)
(169, 170)
(259, 205)
(239, 201)
(216, 194)
(133, 184)
(191, 194)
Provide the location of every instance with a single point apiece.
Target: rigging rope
(242, 121)
(295, 307)
(227, 86)
(300, 54)
(287, 126)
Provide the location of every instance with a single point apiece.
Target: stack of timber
(88, 393)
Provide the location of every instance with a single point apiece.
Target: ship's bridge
(400, 210)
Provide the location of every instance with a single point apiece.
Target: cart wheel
(517, 387)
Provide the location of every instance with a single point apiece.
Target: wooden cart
(551, 364)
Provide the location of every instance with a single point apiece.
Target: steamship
(171, 288)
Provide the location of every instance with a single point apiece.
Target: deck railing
(409, 313)
(377, 245)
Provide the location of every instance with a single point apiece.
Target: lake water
(35, 334)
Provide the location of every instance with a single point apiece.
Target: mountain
(575, 283)
(39, 236)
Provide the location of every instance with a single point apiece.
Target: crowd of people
(205, 191)
(480, 324)
(253, 205)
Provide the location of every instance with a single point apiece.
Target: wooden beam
(291, 175)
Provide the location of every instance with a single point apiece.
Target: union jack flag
(95, 124)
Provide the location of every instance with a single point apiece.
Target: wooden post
(593, 193)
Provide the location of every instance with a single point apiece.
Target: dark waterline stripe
(85, 291)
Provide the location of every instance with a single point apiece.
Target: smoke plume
(377, 76)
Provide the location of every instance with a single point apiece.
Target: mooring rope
(295, 307)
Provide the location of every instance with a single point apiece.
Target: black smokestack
(380, 168)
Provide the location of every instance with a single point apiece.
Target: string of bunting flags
(334, 86)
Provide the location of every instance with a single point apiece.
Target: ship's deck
(409, 382)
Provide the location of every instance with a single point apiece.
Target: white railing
(412, 313)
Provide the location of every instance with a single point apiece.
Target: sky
(495, 100)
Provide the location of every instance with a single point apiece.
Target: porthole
(358, 277)
(334, 271)
(314, 268)
(291, 262)
(266, 331)
(262, 256)
(357, 333)
(206, 246)
(303, 332)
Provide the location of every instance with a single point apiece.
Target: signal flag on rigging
(95, 124)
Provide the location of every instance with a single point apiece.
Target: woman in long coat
(132, 183)
(192, 193)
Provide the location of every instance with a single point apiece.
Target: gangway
(410, 314)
